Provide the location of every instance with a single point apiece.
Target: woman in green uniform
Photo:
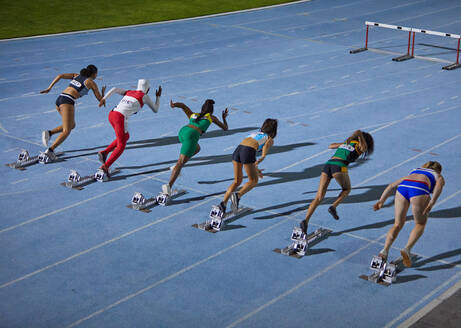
(189, 135)
(359, 143)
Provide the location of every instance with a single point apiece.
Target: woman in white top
(131, 103)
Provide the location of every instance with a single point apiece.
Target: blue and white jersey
(78, 83)
(431, 174)
(260, 137)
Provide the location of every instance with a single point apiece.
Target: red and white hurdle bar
(411, 42)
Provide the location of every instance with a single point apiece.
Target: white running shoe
(166, 189)
(45, 137)
(51, 155)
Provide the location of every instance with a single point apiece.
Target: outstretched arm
(110, 93)
(67, 76)
(266, 148)
(184, 108)
(223, 125)
(154, 107)
(437, 191)
(90, 84)
(386, 193)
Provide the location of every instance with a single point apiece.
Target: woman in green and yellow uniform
(359, 143)
(189, 135)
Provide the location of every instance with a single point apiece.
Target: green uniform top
(347, 153)
(203, 124)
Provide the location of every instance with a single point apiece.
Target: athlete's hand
(45, 91)
(172, 104)
(102, 102)
(260, 173)
(378, 205)
(158, 92)
(428, 209)
(225, 113)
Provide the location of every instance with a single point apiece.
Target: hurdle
(411, 42)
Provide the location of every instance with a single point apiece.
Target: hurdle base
(355, 51)
(402, 58)
(451, 66)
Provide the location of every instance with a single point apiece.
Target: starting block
(302, 242)
(76, 181)
(141, 203)
(24, 159)
(217, 219)
(385, 273)
(43, 158)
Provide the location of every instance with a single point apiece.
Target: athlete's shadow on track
(437, 257)
(157, 142)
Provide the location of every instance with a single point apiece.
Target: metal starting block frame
(301, 242)
(385, 273)
(25, 160)
(76, 181)
(143, 204)
(218, 219)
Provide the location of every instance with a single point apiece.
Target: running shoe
(235, 199)
(333, 213)
(303, 226)
(45, 137)
(51, 155)
(406, 257)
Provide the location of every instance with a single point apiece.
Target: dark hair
(433, 165)
(88, 71)
(207, 108)
(370, 143)
(269, 127)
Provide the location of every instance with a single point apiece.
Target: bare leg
(252, 173)
(323, 185)
(238, 176)
(183, 159)
(401, 206)
(57, 129)
(418, 204)
(68, 123)
(343, 180)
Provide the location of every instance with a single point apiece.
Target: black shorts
(244, 155)
(64, 98)
(330, 169)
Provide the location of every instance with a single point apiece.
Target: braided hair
(207, 108)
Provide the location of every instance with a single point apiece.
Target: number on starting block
(43, 158)
(216, 212)
(73, 176)
(138, 199)
(100, 176)
(377, 263)
(23, 156)
(163, 199)
(297, 234)
(390, 273)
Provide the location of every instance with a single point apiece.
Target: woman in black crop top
(65, 104)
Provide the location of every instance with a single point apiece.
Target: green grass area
(34, 17)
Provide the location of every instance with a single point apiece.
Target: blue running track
(74, 258)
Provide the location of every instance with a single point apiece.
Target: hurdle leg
(407, 55)
(354, 51)
(454, 65)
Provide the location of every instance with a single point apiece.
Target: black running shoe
(222, 207)
(303, 226)
(333, 213)
(102, 157)
(106, 170)
(235, 199)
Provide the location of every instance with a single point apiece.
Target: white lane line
(19, 181)
(3, 128)
(62, 209)
(174, 275)
(11, 149)
(16, 192)
(107, 242)
(441, 103)
(421, 313)
(454, 97)
(53, 170)
(241, 83)
(425, 109)
(20, 139)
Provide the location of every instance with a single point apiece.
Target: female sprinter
(65, 104)
(414, 189)
(359, 143)
(189, 135)
(244, 156)
(131, 103)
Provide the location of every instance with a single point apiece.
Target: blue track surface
(81, 258)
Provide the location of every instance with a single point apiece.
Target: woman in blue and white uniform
(244, 157)
(78, 87)
(414, 189)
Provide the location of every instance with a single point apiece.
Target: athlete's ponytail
(88, 71)
(207, 108)
(370, 143)
(433, 165)
(270, 127)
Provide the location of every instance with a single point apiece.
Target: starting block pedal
(301, 242)
(385, 273)
(76, 181)
(24, 159)
(217, 219)
(140, 203)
